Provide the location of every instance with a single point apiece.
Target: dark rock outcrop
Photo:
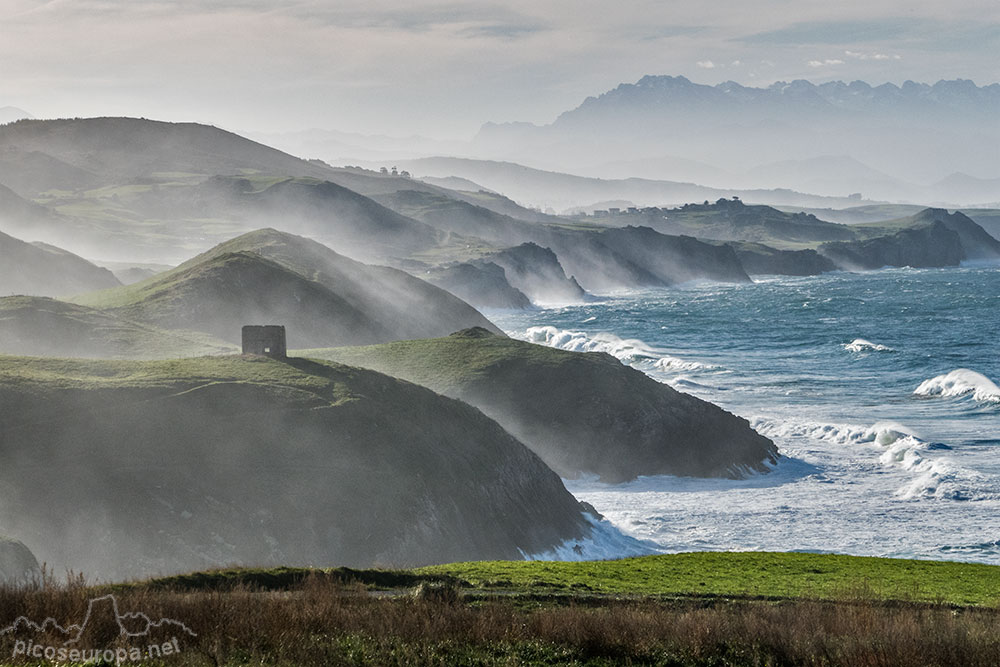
(759, 259)
(977, 243)
(536, 271)
(675, 259)
(483, 284)
(932, 245)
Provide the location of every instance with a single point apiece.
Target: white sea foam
(960, 382)
(837, 433)
(862, 345)
(902, 449)
(629, 350)
(604, 542)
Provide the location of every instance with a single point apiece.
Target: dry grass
(324, 622)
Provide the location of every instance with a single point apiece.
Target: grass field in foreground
(756, 574)
(557, 613)
(795, 575)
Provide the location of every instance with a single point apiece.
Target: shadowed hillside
(122, 469)
(120, 149)
(44, 270)
(269, 276)
(976, 243)
(582, 413)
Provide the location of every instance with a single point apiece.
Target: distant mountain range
(10, 114)
(914, 133)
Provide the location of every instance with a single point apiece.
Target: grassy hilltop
(582, 413)
(192, 463)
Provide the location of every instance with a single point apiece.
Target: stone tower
(266, 340)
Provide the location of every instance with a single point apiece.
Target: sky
(441, 69)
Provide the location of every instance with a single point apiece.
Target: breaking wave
(604, 542)
(862, 345)
(902, 449)
(628, 350)
(959, 383)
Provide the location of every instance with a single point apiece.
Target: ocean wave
(629, 350)
(862, 345)
(960, 382)
(902, 449)
(604, 542)
(836, 433)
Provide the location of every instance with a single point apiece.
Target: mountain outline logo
(76, 631)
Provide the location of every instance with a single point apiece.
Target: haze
(443, 69)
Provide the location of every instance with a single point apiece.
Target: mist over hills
(44, 327)
(270, 276)
(560, 191)
(40, 269)
(915, 133)
(165, 216)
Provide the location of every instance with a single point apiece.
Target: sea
(878, 388)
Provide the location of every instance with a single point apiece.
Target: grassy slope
(755, 574)
(793, 575)
(46, 376)
(729, 220)
(289, 460)
(42, 326)
(579, 412)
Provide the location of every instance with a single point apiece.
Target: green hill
(38, 326)
(976, 243)
(123, 469)
(268, 276)
(148, 188)
(732, 220)
(582, 413)
(44, 270)
(121, 149)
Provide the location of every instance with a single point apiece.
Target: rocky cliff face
(931, 245)
(977, 244)
(483, 284)
(758, 259)
(581, 412)
(156, 467)
(536, 271)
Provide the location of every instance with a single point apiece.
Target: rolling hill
(268, 276)
(561, 191)
(583, 413)
(39, 269)
(194, 463)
